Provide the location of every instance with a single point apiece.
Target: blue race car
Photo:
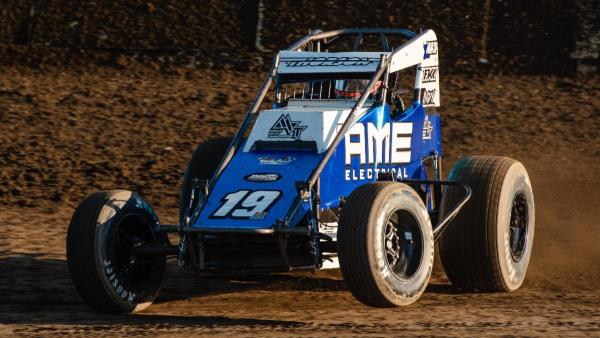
(340, 172)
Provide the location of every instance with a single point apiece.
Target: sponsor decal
(377, 150)
(427, 128)
(430, 48)
(284, 127)
(428, 96)
(329, 61)
(262, 177)
(276, 160)
(247, 204)
(360, 174)
(430, 74)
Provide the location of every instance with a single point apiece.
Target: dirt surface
(66, 133)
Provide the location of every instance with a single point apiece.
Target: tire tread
(355, 266)
(468, 247)
(81, 259)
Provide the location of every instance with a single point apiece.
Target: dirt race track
(67, 133)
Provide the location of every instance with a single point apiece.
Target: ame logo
(378, 150)
(388, 145)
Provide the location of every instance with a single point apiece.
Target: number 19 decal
(246, 204)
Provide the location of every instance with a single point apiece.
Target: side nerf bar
(442, 224)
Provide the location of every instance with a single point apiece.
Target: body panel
(379, 143)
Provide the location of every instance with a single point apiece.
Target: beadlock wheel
(385, 244)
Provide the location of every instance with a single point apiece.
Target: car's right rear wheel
(488, 245)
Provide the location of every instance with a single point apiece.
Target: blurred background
(530, 37)
(98, 95)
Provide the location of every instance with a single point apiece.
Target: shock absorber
(185, 243)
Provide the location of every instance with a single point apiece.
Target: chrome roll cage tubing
(319, 36)
(354, 115)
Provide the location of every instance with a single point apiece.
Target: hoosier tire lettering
(126, 295)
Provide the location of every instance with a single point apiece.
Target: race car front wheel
(103, 234)
(488, 245)
(204, 163)
(385, 244)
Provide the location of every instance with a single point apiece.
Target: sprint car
(338, 172)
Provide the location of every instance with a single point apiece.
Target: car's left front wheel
(104, 232)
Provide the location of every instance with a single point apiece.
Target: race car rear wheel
(488, 245)
(385, 244)
(204, 163)
(104, 231)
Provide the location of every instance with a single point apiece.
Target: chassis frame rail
(282, 234)
(330, 36)
(303, 231)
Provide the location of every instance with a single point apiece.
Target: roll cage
(420, 50)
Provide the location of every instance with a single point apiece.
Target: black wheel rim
(519, 220)
(130, 232)
(403, 244)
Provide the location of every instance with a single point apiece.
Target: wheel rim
(403, 244)
(519, 220)
(132, 232)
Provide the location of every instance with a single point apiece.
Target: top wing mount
(420, 50)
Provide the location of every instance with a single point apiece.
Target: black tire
(382, 265)
(204, 163)
(488, 245)
(102, 232)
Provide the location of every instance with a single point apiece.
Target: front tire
(488, 245)
(204, 163)
(385, 244)
(104, 229)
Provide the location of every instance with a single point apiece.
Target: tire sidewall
(516, 180)
(118, 206)
(400, 291)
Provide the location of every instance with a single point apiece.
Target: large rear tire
(488, 245)
(104, 229)
(204, 163)
(385, 244)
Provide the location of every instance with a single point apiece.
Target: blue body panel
(333, 178)
(243, 164)
(336, 180)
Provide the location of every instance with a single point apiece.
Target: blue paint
(333, 183)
